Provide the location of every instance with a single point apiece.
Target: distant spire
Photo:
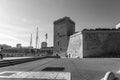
(36, 45)
(46, 37)
(31, 40)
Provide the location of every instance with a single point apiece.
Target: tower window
(58, 43)
(60, 49)
(58, 34)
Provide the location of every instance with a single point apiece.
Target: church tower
(63, 28)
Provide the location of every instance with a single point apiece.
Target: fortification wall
(75, 46)
(101, 44)
(94, 44)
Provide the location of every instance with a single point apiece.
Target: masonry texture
(95, 43)
(101, 43)
(63, 28)
(75, 46)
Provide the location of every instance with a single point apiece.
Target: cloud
(11, 34)
(118, 26)
(8, 28)
(10, 40)
(24, 20)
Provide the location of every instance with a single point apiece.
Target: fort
(95, 43)
(99, 42)
(63, 28)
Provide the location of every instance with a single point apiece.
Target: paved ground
(80, 69)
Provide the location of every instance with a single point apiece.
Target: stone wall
(63, 28)
(94, 44)
(75, 46)
(101, 43)
(60, 39)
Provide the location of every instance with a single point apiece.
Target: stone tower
(63, 28)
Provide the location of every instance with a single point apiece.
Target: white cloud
(10, 40)
(118, 26)
(8, 28)
(11, 34)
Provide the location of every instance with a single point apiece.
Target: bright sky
(19, 18)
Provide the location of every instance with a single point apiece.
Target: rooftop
(102, 29)
(63, 19)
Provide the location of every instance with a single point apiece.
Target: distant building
(95, 43)
(18, 45)
(16, 52)
(46, 51)
(30, 47)
(43, 44)
(63, 28)
(5, 46)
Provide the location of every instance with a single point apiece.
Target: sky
(20, 18)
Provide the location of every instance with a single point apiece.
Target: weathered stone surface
(101, 43)
(95, 44)
(63, 28)
(75, 46)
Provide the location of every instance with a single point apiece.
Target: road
(80, 69)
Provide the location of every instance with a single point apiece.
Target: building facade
(43, 44)
(5, 46)
(46, 51)
(75, 48)
(101, 43)
(18, 45)
(63, 28)
(95, 43)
